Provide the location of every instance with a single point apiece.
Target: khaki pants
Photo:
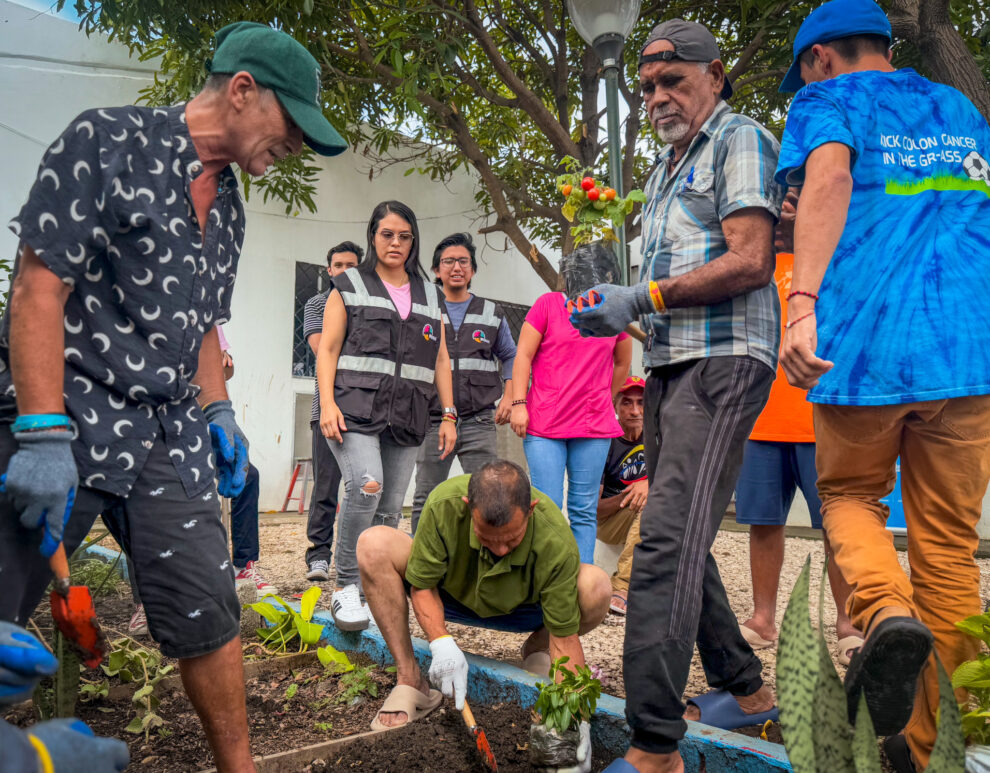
(623, 527)
(944, 446)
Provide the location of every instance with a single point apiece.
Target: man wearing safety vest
(478, 339)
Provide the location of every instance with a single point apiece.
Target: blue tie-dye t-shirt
(904, 308)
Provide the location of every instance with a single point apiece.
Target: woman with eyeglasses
(381, 358)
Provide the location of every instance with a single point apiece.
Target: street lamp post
(604, 25)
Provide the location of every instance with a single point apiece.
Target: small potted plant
(555, 737)
(596, 211)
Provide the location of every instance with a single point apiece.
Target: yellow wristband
(445, 636)
(657, 298)
(43, 756)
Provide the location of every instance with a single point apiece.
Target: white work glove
(583, 754)
(449, 669)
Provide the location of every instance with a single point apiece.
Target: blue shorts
(525, 618)
(770, 474)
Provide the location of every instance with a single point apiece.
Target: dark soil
(754, 731)
(441, 741)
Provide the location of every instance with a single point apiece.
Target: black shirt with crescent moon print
(110, 214)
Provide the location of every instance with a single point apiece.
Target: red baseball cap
(633, 382)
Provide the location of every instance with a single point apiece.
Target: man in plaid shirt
(709, 306)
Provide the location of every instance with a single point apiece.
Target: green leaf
(831, 733)
(972, 674)
(290, 693)
(307, 604)
(949, 752)
(977, 626)
(309, 633)
(267, 611)
(568, 211)
(135, 726)
(142, 692)
(334, 660)
(797, 673)
(865, 753)
(636, 195)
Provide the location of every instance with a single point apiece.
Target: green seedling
(565, 704)
(285, 624)
(131, 662)
(356, 683)
(290, 693)
(334, 660)
(323, 727)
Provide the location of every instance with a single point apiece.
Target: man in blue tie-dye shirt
(890, 331)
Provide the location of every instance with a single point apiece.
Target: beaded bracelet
(792, 293)
(657, 298)
(793, 322)
(518, 402)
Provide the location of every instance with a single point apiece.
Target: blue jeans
(584, 461)
(244, 521)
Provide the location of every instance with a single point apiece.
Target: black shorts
(178, 547)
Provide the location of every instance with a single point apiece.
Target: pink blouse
(570, 395)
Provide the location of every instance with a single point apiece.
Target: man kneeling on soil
(490, 551)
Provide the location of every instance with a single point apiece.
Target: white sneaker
(318, 570)
(348, 612)
(139, 622)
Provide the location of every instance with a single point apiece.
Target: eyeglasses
(462, 262)
(405, 237)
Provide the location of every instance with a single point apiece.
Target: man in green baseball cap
(280, 63)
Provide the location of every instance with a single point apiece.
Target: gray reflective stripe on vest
(416, 373)
(472, 363)
(361, 296)
(487, 316)
(432, 307)
(366, 364)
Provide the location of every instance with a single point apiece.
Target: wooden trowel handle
(468, 716)
(60, 568)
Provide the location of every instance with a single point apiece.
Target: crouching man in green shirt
(490, 551)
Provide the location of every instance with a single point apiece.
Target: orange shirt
(787, 415)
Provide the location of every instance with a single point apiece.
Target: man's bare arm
(209, 374)
(428, 608)
(313, 339)
(746, 266)
(37, 336)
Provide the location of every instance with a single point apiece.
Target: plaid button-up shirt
(728, 166)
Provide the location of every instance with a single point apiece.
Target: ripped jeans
(376, 473)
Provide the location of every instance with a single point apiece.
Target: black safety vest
(386, 366)
(476, 369)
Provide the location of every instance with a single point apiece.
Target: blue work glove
(73, 748)
(230, 448)
(619, 306)
(41, 480)
(23, 662)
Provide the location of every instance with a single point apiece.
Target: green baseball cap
(279, 62)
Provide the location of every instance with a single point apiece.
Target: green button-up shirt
(542, 569)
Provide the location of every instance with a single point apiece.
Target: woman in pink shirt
(567, 420)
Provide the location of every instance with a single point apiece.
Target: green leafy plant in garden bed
(813, 708)
(130, 662)
(565, 704)
(285, 624)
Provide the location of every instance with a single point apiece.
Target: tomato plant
(595, 210)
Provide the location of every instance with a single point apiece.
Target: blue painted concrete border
(490, 681)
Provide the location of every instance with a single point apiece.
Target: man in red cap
(622, 495)
(112, 391)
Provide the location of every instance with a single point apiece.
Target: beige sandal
(537, 663)
(409, 700)
(756, 641)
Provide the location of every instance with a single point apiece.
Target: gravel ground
(283, 546)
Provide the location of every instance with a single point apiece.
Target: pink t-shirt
(570, 395)
(401, 297)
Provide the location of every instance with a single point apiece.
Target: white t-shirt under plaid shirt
(728, 166)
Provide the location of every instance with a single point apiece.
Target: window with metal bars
(311, 278)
